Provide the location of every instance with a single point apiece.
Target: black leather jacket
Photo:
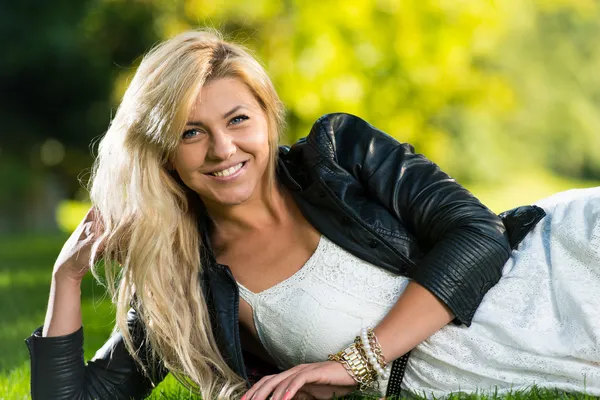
(364, 191)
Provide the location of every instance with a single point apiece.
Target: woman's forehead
(218, 98)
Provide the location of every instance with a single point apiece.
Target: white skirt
(539, 325)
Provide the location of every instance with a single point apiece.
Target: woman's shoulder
(335, 125)
(339, 136)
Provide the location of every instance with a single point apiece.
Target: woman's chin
(229, 199)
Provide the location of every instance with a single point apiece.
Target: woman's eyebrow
(227, 114)
(234, 109)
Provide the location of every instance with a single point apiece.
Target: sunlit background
(503, 95)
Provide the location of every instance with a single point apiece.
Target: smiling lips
(227, 172)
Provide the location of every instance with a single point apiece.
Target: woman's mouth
(229, 173)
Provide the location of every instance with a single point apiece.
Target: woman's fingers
(96, 230)
(74, 259)
(263, 388)
(283, 391)
(304, 381)
(321, 380)
(92, 230)
(299, 384)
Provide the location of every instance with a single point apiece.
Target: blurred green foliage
(490, 90)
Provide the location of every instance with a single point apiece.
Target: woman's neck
(267, 211)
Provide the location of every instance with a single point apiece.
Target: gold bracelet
(376, 348)
(374, 353)
(356, 365)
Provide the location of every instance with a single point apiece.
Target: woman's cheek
(191, 157)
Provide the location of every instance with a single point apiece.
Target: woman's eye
(191, 133)
(238, 120)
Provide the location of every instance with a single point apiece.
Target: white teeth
(228, 171)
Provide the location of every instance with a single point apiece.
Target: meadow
(25, 268)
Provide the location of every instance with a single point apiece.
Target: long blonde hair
(151, 240)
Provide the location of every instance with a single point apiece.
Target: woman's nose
(222, 145)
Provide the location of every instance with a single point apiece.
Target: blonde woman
(254, 271)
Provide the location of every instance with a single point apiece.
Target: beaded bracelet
(364, 361)
(374, 353)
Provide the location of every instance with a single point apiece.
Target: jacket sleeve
(58, 370)
(464, 243)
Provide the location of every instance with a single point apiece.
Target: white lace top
(539, 325)
(320, 309)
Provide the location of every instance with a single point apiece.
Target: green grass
(25, 269)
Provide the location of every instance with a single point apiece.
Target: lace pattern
(539, 325)
(320, 309)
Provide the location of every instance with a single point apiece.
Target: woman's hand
(63, 316)
(320, 380)
(73, 262)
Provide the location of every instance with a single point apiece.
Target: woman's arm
(464, 244)
(416, 315)
(63, 315)
(58, 370)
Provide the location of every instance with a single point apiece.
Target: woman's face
(224, 149)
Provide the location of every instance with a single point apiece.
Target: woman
(253, 271)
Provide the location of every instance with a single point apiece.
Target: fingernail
(287, 395)
(243, 397)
